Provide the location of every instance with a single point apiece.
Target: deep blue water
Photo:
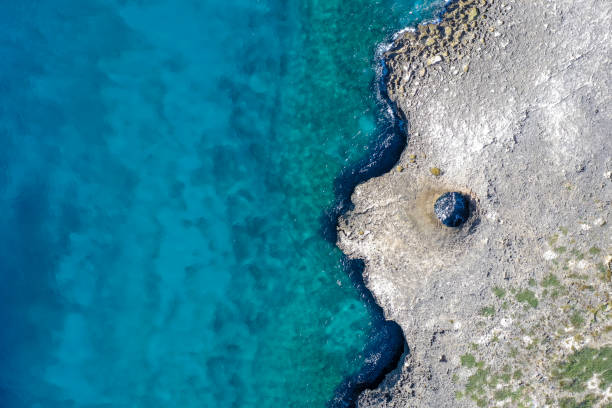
(170, 174)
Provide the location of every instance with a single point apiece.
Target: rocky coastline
(510, 103)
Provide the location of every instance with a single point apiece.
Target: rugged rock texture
(509, 102)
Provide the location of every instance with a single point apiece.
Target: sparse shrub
(527, 296)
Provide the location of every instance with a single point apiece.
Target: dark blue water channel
(170, 177)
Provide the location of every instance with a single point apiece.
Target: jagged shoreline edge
(386, 149)
(387, 345)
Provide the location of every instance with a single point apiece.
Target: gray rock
(524, 282)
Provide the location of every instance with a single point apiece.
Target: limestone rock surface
(516, 112)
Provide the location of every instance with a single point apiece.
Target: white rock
(599, 222)
(593, 383)
(549, 255)
(583, 264)
(434, 60)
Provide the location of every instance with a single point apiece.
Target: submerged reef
(508, 104)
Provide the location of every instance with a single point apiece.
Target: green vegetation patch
(506, 393)
(500, 378)
(581, 366)
(468, 360)
(579, 255)
(594, 251)
(487, 311)
(577, 319)
(553, 240)
(606, 273)
(499, 292)
(476, 382)
(527, 296)
(550, 280)
(588, 402)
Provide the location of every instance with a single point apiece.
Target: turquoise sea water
(167, 178)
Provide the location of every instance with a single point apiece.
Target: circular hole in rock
(452, 209)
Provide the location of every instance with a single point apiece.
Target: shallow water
(165, 173)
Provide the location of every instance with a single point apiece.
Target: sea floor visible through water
(168, 174)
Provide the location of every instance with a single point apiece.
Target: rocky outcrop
(414, 51)
(510, 104)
